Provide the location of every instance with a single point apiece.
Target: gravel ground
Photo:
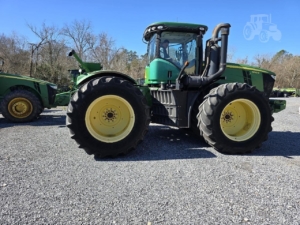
(171, 178)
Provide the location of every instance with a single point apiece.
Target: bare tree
(106, 53)
(81, 35)
(230, 54)
(45, 34)
(15, 53)
(242, 60)
(51, 61)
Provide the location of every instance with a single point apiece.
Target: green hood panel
(247, 67)
(21, 77)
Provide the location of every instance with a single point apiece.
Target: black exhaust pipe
(215, 62)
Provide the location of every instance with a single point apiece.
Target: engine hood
(22, 77)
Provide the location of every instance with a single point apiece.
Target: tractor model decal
(262, 26)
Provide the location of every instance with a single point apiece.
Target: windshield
(178, 47)
(151, 48)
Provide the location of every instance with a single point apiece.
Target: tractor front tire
(21, 106)
(235, 118)
(108, 116)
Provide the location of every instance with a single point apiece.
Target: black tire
(235, 118)
(97, 117)
(279, 94)
(40, 112)
(21, 106)
(194, 128)
(273, 94)
(200, 109)
(194, 114)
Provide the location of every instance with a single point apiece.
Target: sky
(125, 20)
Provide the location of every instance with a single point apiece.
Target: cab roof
(173, 26)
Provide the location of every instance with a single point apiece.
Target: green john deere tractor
(22, 98)
(227, 104)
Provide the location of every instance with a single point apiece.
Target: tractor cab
(170, 45)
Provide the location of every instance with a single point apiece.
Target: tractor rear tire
(194, 119)
(108, 116)
(21, 106)
(235, 118)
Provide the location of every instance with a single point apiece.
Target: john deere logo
(260, 25)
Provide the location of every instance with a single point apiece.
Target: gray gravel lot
(171, 178)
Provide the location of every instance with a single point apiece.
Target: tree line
(284, 64)
(47, 58)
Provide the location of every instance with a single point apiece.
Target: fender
(97, 74)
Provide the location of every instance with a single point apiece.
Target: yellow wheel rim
(240, 120)
(109, 118)
(20, 107)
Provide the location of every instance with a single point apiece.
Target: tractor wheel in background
(108, 116)
(40, 112)
(235, 118)
(273, 94)
(280, 94)
(285, 94)
(21, 106)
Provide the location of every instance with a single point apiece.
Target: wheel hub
(110, 115)
(227, 117)
(109, 118)
(240, 120)
(20, 107)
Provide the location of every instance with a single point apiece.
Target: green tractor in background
(226, 104)
(23, 98)
(79, 77)
(285, 92)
